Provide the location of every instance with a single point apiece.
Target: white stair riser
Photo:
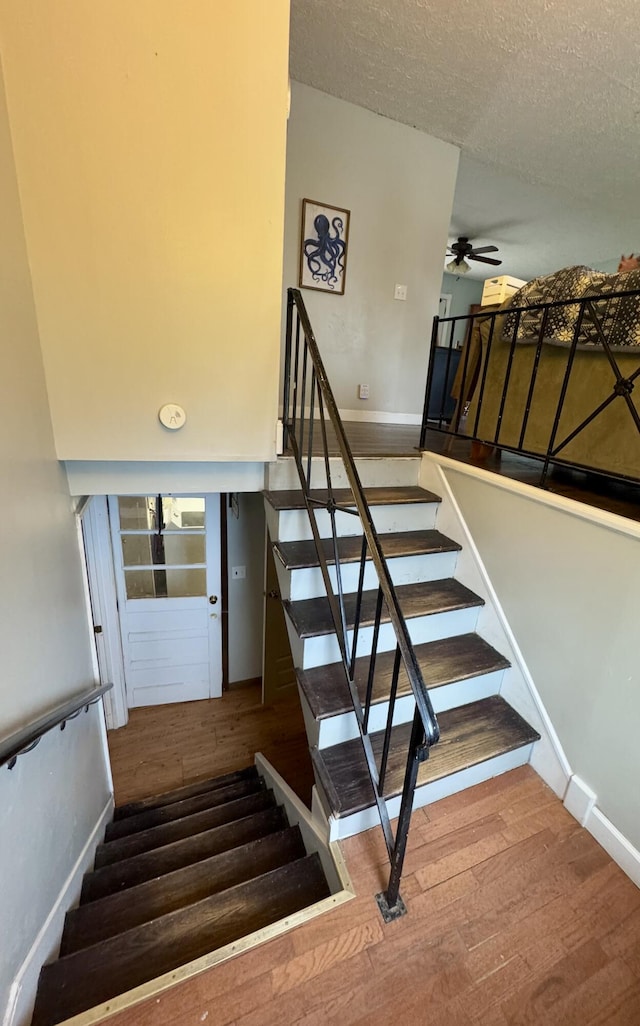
(435, 566)
(322, 650)
(293, 524)
(336, 729)
(429, 793)
(373, 473)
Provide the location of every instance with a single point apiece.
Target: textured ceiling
(543, 98)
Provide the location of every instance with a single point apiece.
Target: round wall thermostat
(172, 416)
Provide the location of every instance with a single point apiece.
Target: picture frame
(324, 247)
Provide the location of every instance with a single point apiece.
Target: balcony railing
(564, 401)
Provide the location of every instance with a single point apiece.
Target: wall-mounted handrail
(309, 403)
(25, 738)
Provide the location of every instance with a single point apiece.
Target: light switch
(400, 292)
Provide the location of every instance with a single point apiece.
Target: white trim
(612, 521)
(616, 844)
(314, 833)
(369, 416)
(23, 989)
(98, 560)
(548, 758)
(101, 477)
(381, 417)
(581, 802)
(448, 299)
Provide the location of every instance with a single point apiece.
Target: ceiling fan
(463, 250)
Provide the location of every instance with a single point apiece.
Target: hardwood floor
(403, 440)
(166, 746)
(516, 916)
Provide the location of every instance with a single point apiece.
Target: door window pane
(165, 549)
(185, 583)
(139, 512)
(185, 512)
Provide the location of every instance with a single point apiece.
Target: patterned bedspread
(619, 317)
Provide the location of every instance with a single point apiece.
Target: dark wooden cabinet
(445, 368)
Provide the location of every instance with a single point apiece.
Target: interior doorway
(156, 592)
(166, 552)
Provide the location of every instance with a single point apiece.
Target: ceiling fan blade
(485, 249)
(484, 260)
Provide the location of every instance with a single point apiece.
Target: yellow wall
(150, 148)
(51, 800)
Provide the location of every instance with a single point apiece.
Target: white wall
(52, 799)
(463, 292)
(104, 477)
(398, 184)
(150, 148)
(245, 539)
(568, 586)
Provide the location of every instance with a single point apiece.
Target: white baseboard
(579, 800)
(581, 803)
(381, 417)
(23, 989)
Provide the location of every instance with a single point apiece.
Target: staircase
(177, 877)
(481, 735)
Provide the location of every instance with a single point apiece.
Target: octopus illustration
(325, 254)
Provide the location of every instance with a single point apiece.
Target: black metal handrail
(26, 738)
(473, 381)
(308, 397)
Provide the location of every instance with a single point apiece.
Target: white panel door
(167, 563)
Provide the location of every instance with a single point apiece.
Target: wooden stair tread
(155, 837)
(88, 977)
(129, 872)
(388, 495)
(115, 913)
(185, 807)
(187, 791)
(445, 661)
(297, 555)
(469, 734)
(312, 618)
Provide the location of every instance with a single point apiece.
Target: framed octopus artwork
(324, 242)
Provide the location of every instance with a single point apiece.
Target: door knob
(273, 594)
(213, 599)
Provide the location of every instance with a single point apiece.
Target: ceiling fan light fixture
(458, 266)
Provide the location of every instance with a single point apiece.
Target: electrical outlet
(400, 292)
(363, 391)
(238, 572)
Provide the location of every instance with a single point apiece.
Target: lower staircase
(481, 735)
(177, 877)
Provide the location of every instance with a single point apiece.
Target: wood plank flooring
(516, 916)
(403, 440)
(167, 746)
